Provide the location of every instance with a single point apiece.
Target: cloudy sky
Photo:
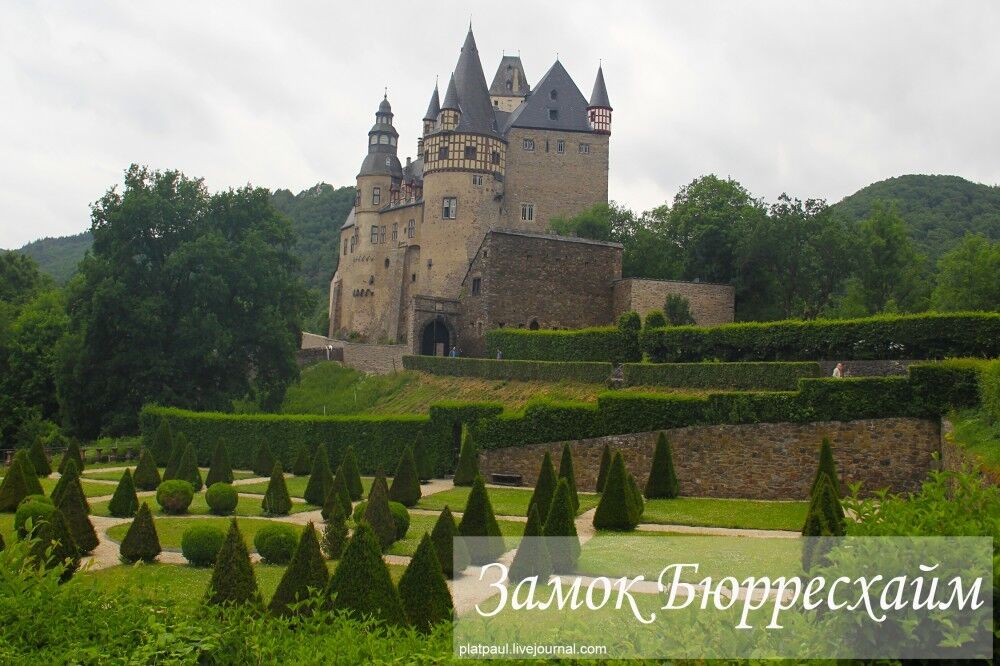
(816, 99)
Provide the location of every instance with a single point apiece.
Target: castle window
(527, 212)
(384, 139)
(345, 249)
(584, 148)
(560, 146)
(354, 241)
(553, 114)
(411, 228)
(373, 139)
(376, 196)
(392, 141)
(381, 234)
(387, 262)
(477, 179)
(496, 102)
(553, 94)
(528, 144)
(395, 230)
(495, 157)
(413, 277)
(374, 236)
(357, 198)
(449, 208)
(443, 153)
(470, 152)
(427, 156)
(476, 285)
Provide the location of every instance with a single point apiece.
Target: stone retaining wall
(757, 461)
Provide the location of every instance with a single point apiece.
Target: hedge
(920, 336)
(585, 344)
(552, 371)
(989, 389)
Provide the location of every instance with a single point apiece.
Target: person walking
(499, 354)
(838, 372)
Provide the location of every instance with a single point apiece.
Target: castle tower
(510, 85)
(381, 169)
(430, 117)
(599, 109)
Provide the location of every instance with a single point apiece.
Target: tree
(39, 459)
(141, 541)
(561, 523)
(263, 461)
(54, 545)
(335, 532)
(320, 479)
(220, 470)
(378, 515)
(74, 508)
(305, 575)
(655, 319)
(635, 497)
(677, 310)
(73, 453)
(147, 476)
(70, 477)
(277, 501)
(566, 472)
(337, 495)
(662, 483)
(468, 461)
(889, 273)
(179, 444)
(532, 556)
(405, 487)
(478, 520)
(233, 580)
(124, 502)
(545, 487)
(187, 468)
(32, 484)
(303, 462)
(828, 467)
(353, 475)
(615, 511)
(186, 298)
(422, 589)
(163, 443)
(966, 277)
(602, 473)
(825, 518)
(361, 584)
(14, 487)
(451, 550)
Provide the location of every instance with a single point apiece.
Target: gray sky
(814, 98)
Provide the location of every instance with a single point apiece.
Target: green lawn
(89, 489)
(171, 529)
(297, 485)
(117, 474)
(747, 514)
(247, 506)
(505, 501)
(420, 523)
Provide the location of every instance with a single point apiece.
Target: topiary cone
(566, 472)
(662, 482)
(39, 459)
(163, 443)
(276, 500)
(826, 466)
(478, 520)
(406, 483)
(532, 556)
(303, 462)
(14, 488)
(320, 479)
(615, 511)
(54, 545)
(176, 453)
(602, 473)
(124, 503)
(468, 461)
(545, 487)
(221, 469)
(452, 551)
(635, 495)
(147, 476)
(233, 580)
(33, 485)
(561, 523)
(352, 473)
(263, 461)
(71, 476)
(73, 506)
(361, 585)
(73, 453)
(378, 515)
(423, 590)
(141, 541)
(337, 495)
(306, 574)
(187, 468)
(335, 532)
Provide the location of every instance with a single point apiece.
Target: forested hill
(938, 210)
(316, 214)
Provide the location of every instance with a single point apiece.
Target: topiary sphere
(276, 542)
(222, 498)
(400, 516)
(174, 496)
(201, 543)
(37, 510)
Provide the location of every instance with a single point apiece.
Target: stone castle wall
(710, 303)
(758, 461)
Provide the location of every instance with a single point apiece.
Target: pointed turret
(473, 94)
(382, 138)
(451, 108)
(434, 107)
(510, 84)
(599, 109)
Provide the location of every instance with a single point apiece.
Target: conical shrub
(187, 468)
(825, 518)
(141, 541)
(163, 444)
(33, 485)
(378, 515)
(561, 523)
(468, 461)
(69, 477)
(179, 445)
(452, 553)
(566, 472)
(263, 461)
(220, 470)
(306, 574)
(124, 503)
(337, 494)
(277, 501)
(406, 483)
(532, 556)
(39, 458)
(54, 545)
(423, 590)
(320, 479)
(602, 473)
(14, 487)
(233, 580)
(424, 457)
(545, 487)
(635, 495)
(335, 532)
(478, 520)
(73, 453)
(826, 466)
(303, 462)
(361, 585)
(662, 482)
(147, 476)
(74, 508)
(616, 510)
(352, 473)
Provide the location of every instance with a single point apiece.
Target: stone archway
(435, 339)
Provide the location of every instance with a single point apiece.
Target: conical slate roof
(473, 95)
(510, 78)
(600, 95)
(434, 107)
(451, 96)
(555, 103)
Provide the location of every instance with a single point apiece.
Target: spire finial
(385, 93)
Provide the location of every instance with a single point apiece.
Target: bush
(662, 483)
(54, 545)
(451, 551)
(989, 389)
(221, 498)
(233, 580)
(630, 325)
(405, 487)
(69, 477)
(303, 462)
(200, 544)
(34, 509)
(827, 467)
(825, 518)
(561, 522)
(74, 508)
(566, 472)
(468, 461)
(335, 533)
(263, 461)
(654, 319)
(478, 520)
(545, 487)
(141, 541)
(677, 310)
(14, 487)
(361, 585)
(174, 496)
(602, 473)
(33, 485)
(337, 495)
(550, 371)
(39, 459)
(161, 444)
(179, 445)
(73, 453)
(352, 475)
(378, 515)
(400, 516)
(615, 511)
(277, 501)
(275, 542)
(729, 376)
(320, 479)
(147, 476)
(635, 496)
(220, 470)
(532, 556)
(605, 344)
(423, 591)
(306, 573)
(124, 502)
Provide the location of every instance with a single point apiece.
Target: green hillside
(59, 257)
(938, 210)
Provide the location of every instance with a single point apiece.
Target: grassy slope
(976, 434)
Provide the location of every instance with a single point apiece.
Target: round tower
(380, 169)
(599, 109)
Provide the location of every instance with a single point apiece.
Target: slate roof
(434, 108)
(510, 70)
(557, 92)
(451, 95)
(600, 95)
(381, 164)
(473, 95)
(349, 222)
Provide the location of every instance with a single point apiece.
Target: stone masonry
(710, 303)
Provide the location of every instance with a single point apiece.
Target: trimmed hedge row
(920, 336)
(738, 376)
(606, 344)
(582, 371)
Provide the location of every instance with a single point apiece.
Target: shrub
(468, 461)
(352, 475)
(33, 485)
(378, 515)
(827, 467)
(147, 476)
(337, 495)
(662, 483)
(306, 574)
(54, 545)
(605, 344)
(39, 459)
(69, 477)
(566, 472)
(303, 462)
(602, 473)
(561, 523)
(320, 479)
(521, 370)
(37, 510)
(361, 585)
(233, 580)
(220, 470)
(655, 319)
(422, 589)
(221, 498)
(615, 511)
(478, 520)
(14, 487)
(400, 516)
(677, 310)
(141, 541)
(277, 501)
(424, 458)
(532, 556)
(187, 469)
(742, 376)
(200, 544)
(989, 389)
(179, 444)
(124, 502)
(451, 550)
(825, 518)
(263, 461)
(74, 508)
(73, 453)
(335, 533)
(405, 487)
(162, 444)
(545, 487)
(275, 542)
(174, 496)
(635, 496)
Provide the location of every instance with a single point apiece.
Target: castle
(494, 164)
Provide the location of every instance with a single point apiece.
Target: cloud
(816, 99)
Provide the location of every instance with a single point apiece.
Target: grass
(420, 523)
(297, 485)
(116, 475)
(89, 489)
(247, 506)
(979, 436)
(736, 513)
(505, 501)
(171, 529)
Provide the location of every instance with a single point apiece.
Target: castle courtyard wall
(711, 303)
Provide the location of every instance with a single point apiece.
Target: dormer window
(553, 94)
(553, 114)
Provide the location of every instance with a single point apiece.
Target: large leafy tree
(967, 276)
(187, 298)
